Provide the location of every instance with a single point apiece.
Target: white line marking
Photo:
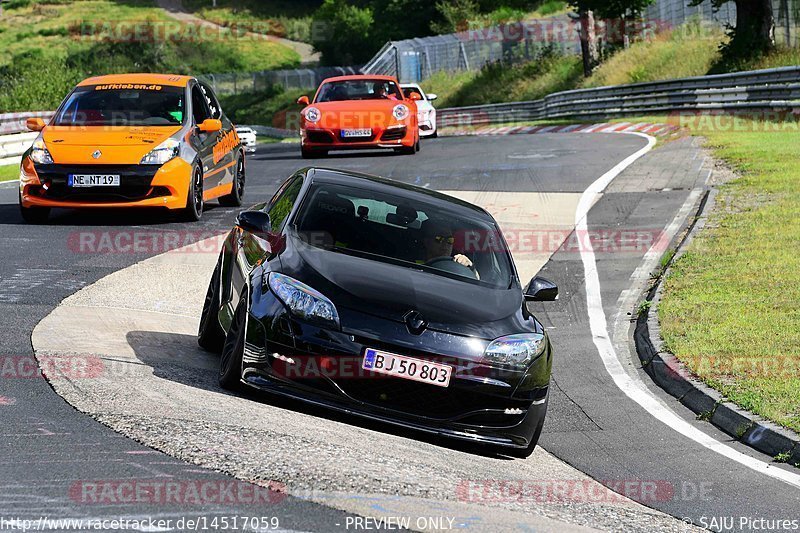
(633, 387)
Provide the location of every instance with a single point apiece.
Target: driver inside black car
(437, 241)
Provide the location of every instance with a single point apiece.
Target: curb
(672, 375)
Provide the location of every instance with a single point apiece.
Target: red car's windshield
(334, 91)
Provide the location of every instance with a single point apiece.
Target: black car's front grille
(135, 183)
(394, 134)
(422, 399)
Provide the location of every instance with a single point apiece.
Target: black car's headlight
(303, 301)
(516, 351)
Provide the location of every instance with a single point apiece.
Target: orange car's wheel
(34, 215)
(234, 199)
(194, 199)
(308, 153)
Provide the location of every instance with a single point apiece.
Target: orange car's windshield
(123, 105)
(335, 91)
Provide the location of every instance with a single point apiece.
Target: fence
(235, 83)
(417, 59)
(770, 89)
(676, 12)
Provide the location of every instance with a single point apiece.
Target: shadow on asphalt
(177, 358)
(10, 215)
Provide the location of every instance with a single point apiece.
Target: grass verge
(9, 172)
(51, 46)
(729, 310)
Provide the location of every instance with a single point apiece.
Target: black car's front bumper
(496, 406)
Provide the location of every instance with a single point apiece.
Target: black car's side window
(282, 204)
(199, 108)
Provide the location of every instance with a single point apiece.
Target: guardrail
(15, 137)
(770, 89)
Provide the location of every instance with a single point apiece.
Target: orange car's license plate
(93, 180)
(404, 367)
(363, 132)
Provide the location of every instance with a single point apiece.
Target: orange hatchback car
(356, 113)
(133, 140)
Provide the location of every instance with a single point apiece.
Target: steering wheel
(448, 264)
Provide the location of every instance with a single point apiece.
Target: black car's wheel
(194, 199)
(34, 215)
(210, 335)
(234, 199)
(230, 363)
(522, 453)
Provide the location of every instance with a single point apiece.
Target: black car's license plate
(401, 366)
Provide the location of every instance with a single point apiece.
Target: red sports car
(356, 113)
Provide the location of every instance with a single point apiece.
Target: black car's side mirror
(257, 222)
(541, 290)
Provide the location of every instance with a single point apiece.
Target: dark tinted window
(124, 104)
(335, 91)
(199, 107)
(283, 201)
(417, 234)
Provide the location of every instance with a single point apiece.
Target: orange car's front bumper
(168, 188)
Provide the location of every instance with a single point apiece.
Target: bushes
(273, 106)
(346, 36)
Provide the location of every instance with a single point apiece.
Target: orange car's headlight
(400, 112)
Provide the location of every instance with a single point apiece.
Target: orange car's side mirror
(415, 97)
(303, 100)
(35, 124)
(210, 125)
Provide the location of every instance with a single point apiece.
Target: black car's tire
(522, 453)
(210, 335)
(194, 199)
(34, 215)
(230, 362)
(234, 199)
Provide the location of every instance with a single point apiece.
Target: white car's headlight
(400, 112)
(39, 152)
(302, 300)
(313, 114)
(162, 153)
(516, 351)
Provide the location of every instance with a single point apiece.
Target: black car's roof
(403, 190)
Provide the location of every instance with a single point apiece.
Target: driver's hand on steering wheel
(462, 259)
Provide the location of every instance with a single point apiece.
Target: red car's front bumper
(396, 136)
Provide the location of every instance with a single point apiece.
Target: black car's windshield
(123, 105)
(449, 242)
(335, 91)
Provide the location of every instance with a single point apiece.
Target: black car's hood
(391, 291)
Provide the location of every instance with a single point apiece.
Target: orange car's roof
(149, 79)
(360, 77)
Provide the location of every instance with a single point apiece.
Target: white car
(248, 138)
(426, 113)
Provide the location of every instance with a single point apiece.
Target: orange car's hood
(72, 145)
(359, 113)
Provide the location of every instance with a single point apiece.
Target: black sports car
(385, 300)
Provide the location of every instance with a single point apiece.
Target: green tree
(343, 33)
(588, 10)
(754, 33)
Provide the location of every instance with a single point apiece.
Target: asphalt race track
(51, 451)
